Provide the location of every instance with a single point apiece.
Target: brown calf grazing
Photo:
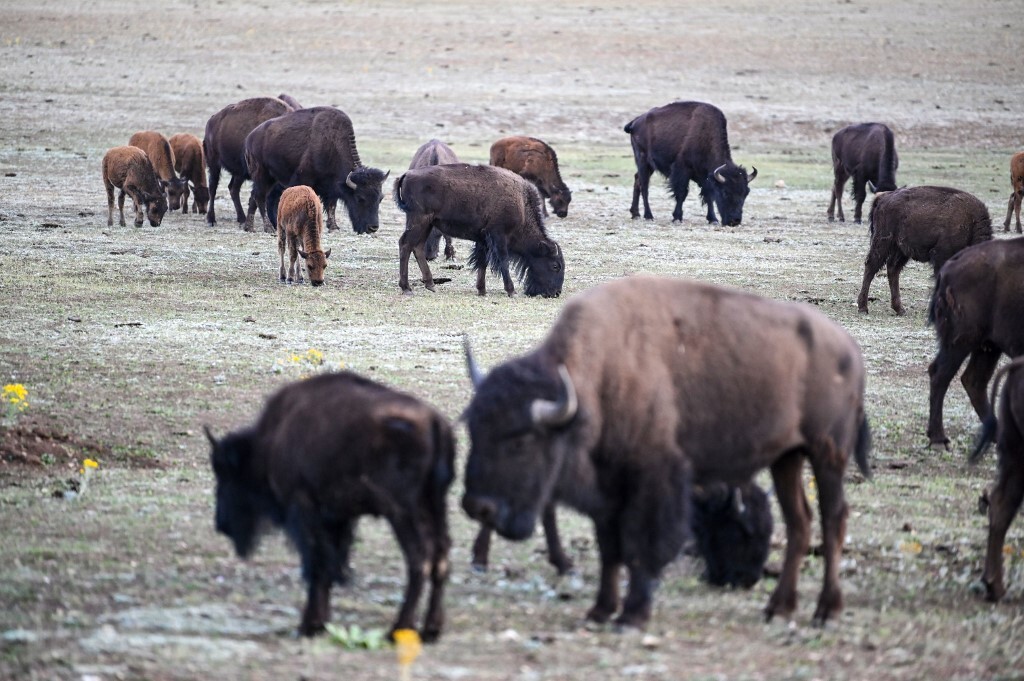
(978, 311)
(534, 160)
(1017, 182)
(158, 149)
(927, 224)
(325, 451)
(190, 164)
(129, 169)
(300, 225)
(1004, 499)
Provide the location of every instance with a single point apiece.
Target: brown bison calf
(190, 164)
(300, 226)
(1005, 497)
(324, 452)
(1017, 182)
(158, 149)
(535, 161)
(927, 224)
(129, 169)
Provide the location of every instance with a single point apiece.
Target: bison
(290, 101)
(224, 146)
(647, 385)
(128, 169)
(978, 310)
(866, 152)
(324, 452)
(536, 161)
(315, 147)
(1017, 183)
(927, 224)
(495, 208)
(435, 153)
(687, 141)
(161, 156)
(300, 227)
(190, 164)
(1005, 497)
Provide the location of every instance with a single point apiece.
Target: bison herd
(652, 402)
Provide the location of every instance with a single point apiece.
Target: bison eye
(555, 266)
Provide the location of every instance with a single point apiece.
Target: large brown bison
(1017, 191)
(224, 146)
(324, 452)
(492, 207)
(435, 153)
(300, 229)
(535, 160)
(687, 141)
(927, 224)
(978, 311)
(866, 152)
(1005, 497)
(646, 385)
(315, 147)
(190, 164)
(129, 170)
(160, 154)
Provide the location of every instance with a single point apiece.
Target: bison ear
(327, 253)
(302, 253)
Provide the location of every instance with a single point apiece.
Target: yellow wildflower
(408, 647)
(16, 395)
(314, 356)
(89, 463)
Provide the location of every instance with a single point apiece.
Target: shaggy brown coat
(534, 160)
(1017, 182)
(191, 166)
(300, 227)
(128, 169)
(158, 149)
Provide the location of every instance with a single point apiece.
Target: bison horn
(475, 376)
(554, 414)
(718, 173)
(209, 435)
(349, 182)
(752, 175)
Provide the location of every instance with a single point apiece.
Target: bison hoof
(831, 219)
(406, 291)
(939, 443)
(599, 615)
(900, 311)
(983, 589)
(311, 629)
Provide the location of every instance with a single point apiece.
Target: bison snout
(481, 509)
(317, 283)
(370, 229)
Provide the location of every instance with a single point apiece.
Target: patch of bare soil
(36, 444)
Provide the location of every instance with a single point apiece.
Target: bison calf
(129, 169)
(435, 153)
(300, 226)
(866, 152)
(1005, 497)
(324, 452)
(158, 149)
(927, 224)
(1017, 193)
(537, 162)
(190, 164)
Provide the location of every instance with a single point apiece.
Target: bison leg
(797, 514)
(860, 194)
(834, 511)
(1004, 503)
(837, 194)
(976, 377)
(497, 251)
(120, 205)
(314, 545)
(941, 372)
(184, 199)
(873, 263)
(449, 249)
(416, 549)
(641, 187)
(608, 544)
(282, 245)
(332, 220)
(213, 177)
(344, 534)
(482, 548)
(479, 260)
(110, 204)
(295, 266)
(892, 270)
(411, 242)
(235, 190)
(441, 543)
(556, 554)
(1009, 211)
(433, 244)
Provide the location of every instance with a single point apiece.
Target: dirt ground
(130, 340)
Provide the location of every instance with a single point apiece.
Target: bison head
(516, 422)
(316, 263)
(542, 269)
(727, 188)
(156, 206)
(560, 202)
(733, 529)
(243, 503)
(174, 187)
(362, 196)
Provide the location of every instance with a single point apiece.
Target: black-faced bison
(300, 229)
(1005, 496)
(536, 161)
(158, 149)
(325, 451)
(1017, 191)
(927, 224)
(315, 147)
(687, 141)
(224, 146)
(646, 385)
(866, 152)
(495, 209)
(435, 153)
(190, 164)
(978, 310)
(128, 169)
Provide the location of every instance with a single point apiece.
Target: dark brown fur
(191, 166)
(536, 161)
(325, 451)
(927, 224)
(128, 169)
(300, 228)
(158, 149)
(1017, 192)
(866, 152)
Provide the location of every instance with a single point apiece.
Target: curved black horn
(554, 414)
(475, 376)
(718, 173)
(753, 174)
(210, 436)
(349, 182)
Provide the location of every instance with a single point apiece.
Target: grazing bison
(927, 224)
(128, 169)
(324, 452)
(191, 166)
(1017, 183)
(224, 146)
(647, 384)
(866, 153)
(158, 149)
(315, 147)
(687, 141)
(536, 161)
(494, 208)
(1005, 497)
(978, 310)
(435, 153)
(300, 228)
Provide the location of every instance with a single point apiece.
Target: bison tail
(872, 217)
(863, 448)
(397, 195)
(986, 435)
